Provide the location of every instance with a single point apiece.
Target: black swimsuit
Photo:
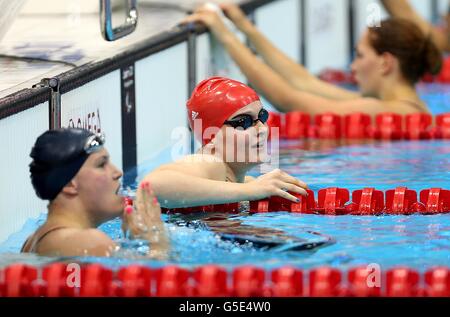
(415, 104)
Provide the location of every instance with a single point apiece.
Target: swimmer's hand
(210, 19)
(236, 15)
(276, 183)
(144, 221)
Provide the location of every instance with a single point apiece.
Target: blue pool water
(417, 241)
(436, 96)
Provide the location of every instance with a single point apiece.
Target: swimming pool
(417, 241)
(343, 242)
(436, 96)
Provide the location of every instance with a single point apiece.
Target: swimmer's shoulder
(200, 165)
(402, 107)
(201, 158)
(76, 242)
(405, 107)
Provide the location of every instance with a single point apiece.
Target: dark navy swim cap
(58, 156)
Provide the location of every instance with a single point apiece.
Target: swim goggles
(94, 143)
(246, 121)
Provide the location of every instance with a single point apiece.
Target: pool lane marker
(335, 202)
(21, 280)
(359, 126)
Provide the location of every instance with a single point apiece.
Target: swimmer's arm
(176, 189)
(266, 81)
(180, 185)
(282, 95)
(297, 75)
(301, 101)
(286, 98)
(403, 9)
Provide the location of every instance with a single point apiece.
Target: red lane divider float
(287, 282)
(443, 126)
(211, 281)
(386, 126)
(327, 126)
(57, 281)
(172, 281)
(248, 281)
(402, 282)
(437, 282)
(443, 77)
(361, 282)
(335, 201)
(357, 126)
(436, 200)
(325, 282)
(19, 280)
(214, 281)
(367, 201)
(418, 127)
(133, 281)
(402, 201)
(96, 281)
(335, 76)
(297, 125)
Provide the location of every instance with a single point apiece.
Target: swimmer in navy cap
(71, 169)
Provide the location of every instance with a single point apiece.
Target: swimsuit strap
(414, 103)
(31, 243)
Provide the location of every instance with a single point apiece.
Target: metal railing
(111, 34)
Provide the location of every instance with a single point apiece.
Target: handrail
(111, 34)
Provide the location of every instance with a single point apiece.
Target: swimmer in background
(222, 111)
(390, 60)
(403, 9)
(72, 170)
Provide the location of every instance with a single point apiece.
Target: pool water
(436, 96)
(417, 241)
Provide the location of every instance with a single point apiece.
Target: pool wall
(137, 97)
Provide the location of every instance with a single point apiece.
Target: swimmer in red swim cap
(227, 117)
(215, 100)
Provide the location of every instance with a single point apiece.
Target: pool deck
(67, 40)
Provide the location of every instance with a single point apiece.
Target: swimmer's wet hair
(57, 157)
(416, 51)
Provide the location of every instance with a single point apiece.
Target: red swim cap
(214, 100)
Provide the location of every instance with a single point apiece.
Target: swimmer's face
(367, 67)
(97, 184)
(245, 146)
